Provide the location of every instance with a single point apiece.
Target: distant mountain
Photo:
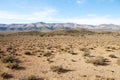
(41, 26)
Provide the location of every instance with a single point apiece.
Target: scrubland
(60, 56)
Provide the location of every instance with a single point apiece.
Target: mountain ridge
(43, 27)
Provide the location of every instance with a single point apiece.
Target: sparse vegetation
(109, 79)
(27, 53)
(52, 49)
(99, 60)
(83, 49)
(59, 69)
(1, 52)
(47, 54)
(13, 65)
(32, 77)
(10, 48)
(74, 53)
(5, 75)
(86, 54)
(8, 59)
(112, 56)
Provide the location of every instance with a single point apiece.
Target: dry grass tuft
(5, 75)
(8, 59)
(99, 60)
(13, 65)
(112, 56)
(59, 69)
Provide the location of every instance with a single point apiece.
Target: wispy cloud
(49, 15)
(96, 16)
(80, 1)
(98, 20)
(91, 15)
(43, 15)
(92, 20)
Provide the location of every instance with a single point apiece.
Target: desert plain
(62, 55)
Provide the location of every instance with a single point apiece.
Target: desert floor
(85, 57)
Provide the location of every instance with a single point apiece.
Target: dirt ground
(86, 57)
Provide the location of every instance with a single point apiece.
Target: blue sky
(62, 11)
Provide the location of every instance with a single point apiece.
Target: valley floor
(85, 57)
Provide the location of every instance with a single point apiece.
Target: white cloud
(94, 15)
(93, 20)
(91, 15)
(49, 15)
(97, 21)
(80, 1)
(44, 15)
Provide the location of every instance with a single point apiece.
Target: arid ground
(94, 56)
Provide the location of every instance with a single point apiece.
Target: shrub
(1, 51)
(32, 77)
(112, 56)
(86, 54)
(8, 59)
(59, 69)
(73, 53)
(10, 48)
(5, 75)
(99, 60)
(84, 49)
(27, 53)
(13, 65)
(109, 79)
(1, 54)
(47, 54)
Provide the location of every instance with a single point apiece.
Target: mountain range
(41, 26)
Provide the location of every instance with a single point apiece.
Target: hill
(45, 27)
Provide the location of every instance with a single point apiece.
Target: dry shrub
(47, 54)
(59, 69)
(112, 56)
(8, 59)
(5, 75)
(27, 53)
(99, 60)
(13, 65)
(32, 77)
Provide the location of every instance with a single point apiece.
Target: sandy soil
(67, 52)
